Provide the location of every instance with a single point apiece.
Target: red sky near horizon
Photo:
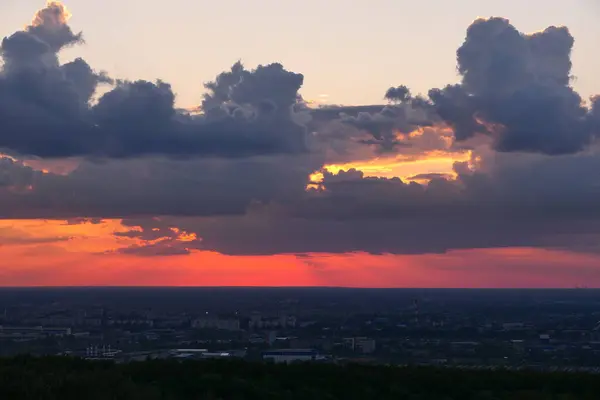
(53, 253)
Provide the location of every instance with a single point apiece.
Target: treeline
(62, 378)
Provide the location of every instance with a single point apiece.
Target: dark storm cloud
(23, 50)
(252, 236)
(260, 207)
(400, 93)
(84, 79)
(498, 200)
(160, 249)
(595, 114)
(154, 186)
(13, 173)
(269, 89)
(385, 128)
(271, 232)
(515, 87)
(45, 107)
(516, 200)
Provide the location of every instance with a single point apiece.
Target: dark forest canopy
(68, 378)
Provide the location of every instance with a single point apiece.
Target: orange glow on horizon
(456, 269)
(55, 253)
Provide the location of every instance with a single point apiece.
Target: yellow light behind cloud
(398, 167)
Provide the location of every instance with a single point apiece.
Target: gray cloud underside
(259, 206)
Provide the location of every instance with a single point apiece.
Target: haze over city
(446, 144)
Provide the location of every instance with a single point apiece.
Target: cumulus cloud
(400, 93)
(386, 129)
(45, 107)
(50, 25)
(84, 79)
(515, 87)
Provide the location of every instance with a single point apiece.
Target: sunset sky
(276, 143)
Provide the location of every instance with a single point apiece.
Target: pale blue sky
(352, 50)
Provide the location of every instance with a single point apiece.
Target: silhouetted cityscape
(549, 329)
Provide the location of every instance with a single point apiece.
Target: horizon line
(294, 287)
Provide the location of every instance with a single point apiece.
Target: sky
(371, 43)
(364, 144)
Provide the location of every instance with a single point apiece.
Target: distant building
(513, 326)
(101, 353)
(271, 337)
(171, 322)
(366, 346)
(257, 321)
(131, 322)
(256, 339)
(187, 353)
(225, 354)
(33, 332)
(291, 355)
(362, 344)
(217, 323)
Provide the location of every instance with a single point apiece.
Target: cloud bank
(233, 175)
(46, 109)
